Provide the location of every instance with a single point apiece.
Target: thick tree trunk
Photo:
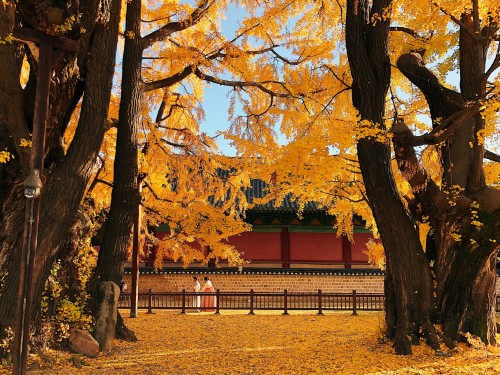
(66, 183)
(467, 303)
(466, 281)
(125, 198)
(408, 281)
(464, 260)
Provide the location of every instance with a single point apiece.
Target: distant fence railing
(286, 301)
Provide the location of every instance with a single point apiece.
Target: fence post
(320, 303)
(150, 301)
(285, 302)
(183, 301)
(354, 307)
(251, 303)
(217, 301)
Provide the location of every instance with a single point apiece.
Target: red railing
(252, 300)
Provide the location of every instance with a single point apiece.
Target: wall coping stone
(261, 271)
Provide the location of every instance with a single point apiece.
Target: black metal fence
(287, 301)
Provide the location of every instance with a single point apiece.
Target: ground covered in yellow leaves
(336, 343)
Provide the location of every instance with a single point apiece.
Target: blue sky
(216, 101)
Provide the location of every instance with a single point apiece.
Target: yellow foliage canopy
(287, 69)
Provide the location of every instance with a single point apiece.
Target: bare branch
(443, 131)
(174, 144)
(336, 76)
(408, 31)
(457, 21)
(169, 81)
(157, 19)
(157, 197)
(495, 64)
(491, 156)
(224, 82)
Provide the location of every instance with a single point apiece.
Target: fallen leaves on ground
(231, 343)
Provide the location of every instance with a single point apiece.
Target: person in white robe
(196, 299)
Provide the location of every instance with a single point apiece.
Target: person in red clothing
(208, 301)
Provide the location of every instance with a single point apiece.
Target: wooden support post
(285, 248)
(183, 311)
(285, 302)
(251, 303)
(354, 307)
(150, 302)
(217, 302)
(346, 252)
(320, 303)
(134, 292)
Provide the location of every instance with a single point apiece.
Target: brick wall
(265, 282)
(168, 282)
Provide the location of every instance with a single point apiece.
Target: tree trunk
(125, 198)
(408, 283)
(464, 262)
(67, 181)
(466, 279)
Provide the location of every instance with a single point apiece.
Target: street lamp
(51, 48)
(33, 184)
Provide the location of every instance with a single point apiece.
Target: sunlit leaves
(235, 343)
(291, 114)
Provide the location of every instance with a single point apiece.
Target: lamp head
(33, 184)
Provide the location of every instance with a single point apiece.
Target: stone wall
(262, 282)
(265, 281)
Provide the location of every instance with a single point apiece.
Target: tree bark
(125, 198)
(464, 262)
(408, 284)
(66, 182)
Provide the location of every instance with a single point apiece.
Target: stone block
(82, 342)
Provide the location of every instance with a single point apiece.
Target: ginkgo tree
(452, 280)
(76, 78)
(312, 79)
(182, 46)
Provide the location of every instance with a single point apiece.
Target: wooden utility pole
(50, 50)
(134, 293)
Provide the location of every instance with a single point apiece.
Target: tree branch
(457, 21)
(173, 27)
(224, 82)
(422, 185)
(441, 132)
(492, 156)
(169, 81)
(495, 64)
(408, 31)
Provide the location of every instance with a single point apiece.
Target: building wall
(258, 245)
(266, 282)
(315, 246)
(169, 282)
(296, 246)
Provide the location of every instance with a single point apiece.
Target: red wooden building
(282, 239)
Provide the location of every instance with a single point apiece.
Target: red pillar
(346, 252)
(211, 262)
(285, 248)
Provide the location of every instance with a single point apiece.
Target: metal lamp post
(50, 50)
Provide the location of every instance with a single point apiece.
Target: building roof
(259, 189)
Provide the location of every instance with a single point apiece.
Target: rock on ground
(82, 342)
